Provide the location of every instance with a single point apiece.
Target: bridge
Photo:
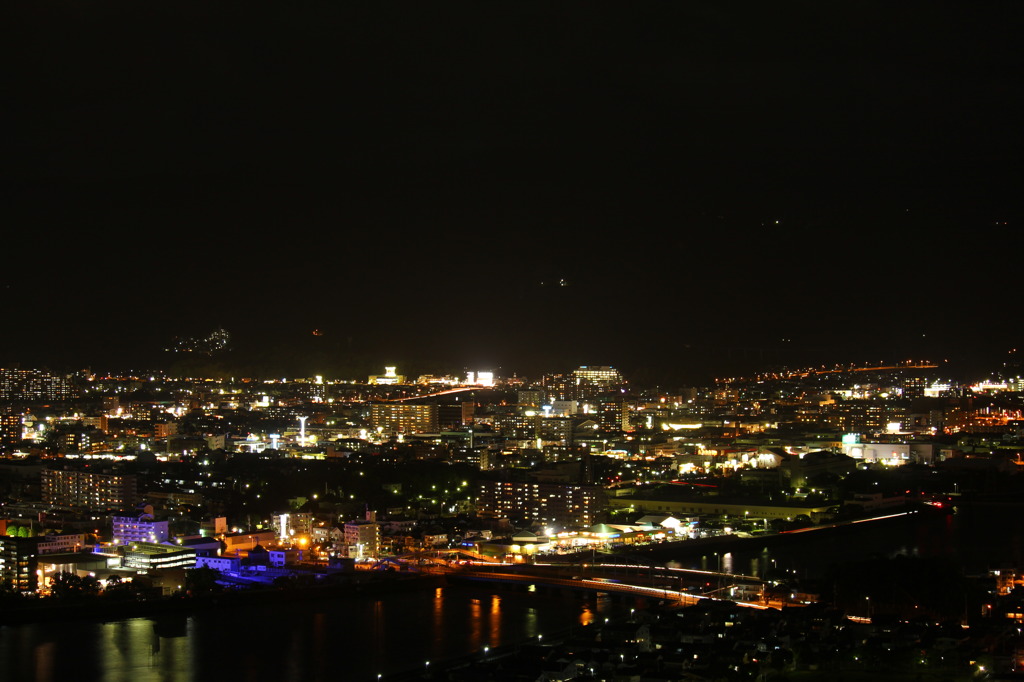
(666, 584)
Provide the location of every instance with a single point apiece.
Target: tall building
(19, 560)
(10, 428)
(569, 505)
(583, 383)
(613, 415)
(69, 488)
(517, 426)
(913, 386)
(555, 429)
(394, 418)
(34, 384)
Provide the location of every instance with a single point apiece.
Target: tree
(202, 580)
(118, 589)
(67, 585)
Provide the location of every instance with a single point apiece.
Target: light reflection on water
(350, 639)
(476, 622)
(531, 622)
(495, 620)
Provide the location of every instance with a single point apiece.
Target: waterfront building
(150, 555)
(19, 558)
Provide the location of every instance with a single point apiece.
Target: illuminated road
(804, 373)
(584, 584)
(550, 576)
(432, 395)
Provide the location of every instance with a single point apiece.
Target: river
(354, 638)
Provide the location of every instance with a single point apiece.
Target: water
(976, 539)
(344, 639)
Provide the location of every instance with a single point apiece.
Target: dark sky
(415, 181)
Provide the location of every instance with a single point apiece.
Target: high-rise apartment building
(394, 418)
(613, 415)
(574, 506)
(34, 384)
(10, 427)
(72, 489)
(517, 426)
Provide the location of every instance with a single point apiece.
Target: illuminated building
(164, 430)
(247, 540)
(583, 383)
(56, 544)
(138, 527)
(290, 525)
(605, 376)
(530, 398)
(517, 426)
(389, 377)
(150, 555)
(10, 428)
(613, 415)
(68, 488)
(557, 503)
(863, 416)
(468, 413)
(394, 418)
(555, 429)
(362, 538)
(913, 386)
(34, 384)
(480, 379)
(19, 559)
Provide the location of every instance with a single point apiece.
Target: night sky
(718, 189)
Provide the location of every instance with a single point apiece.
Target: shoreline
(98, 609)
